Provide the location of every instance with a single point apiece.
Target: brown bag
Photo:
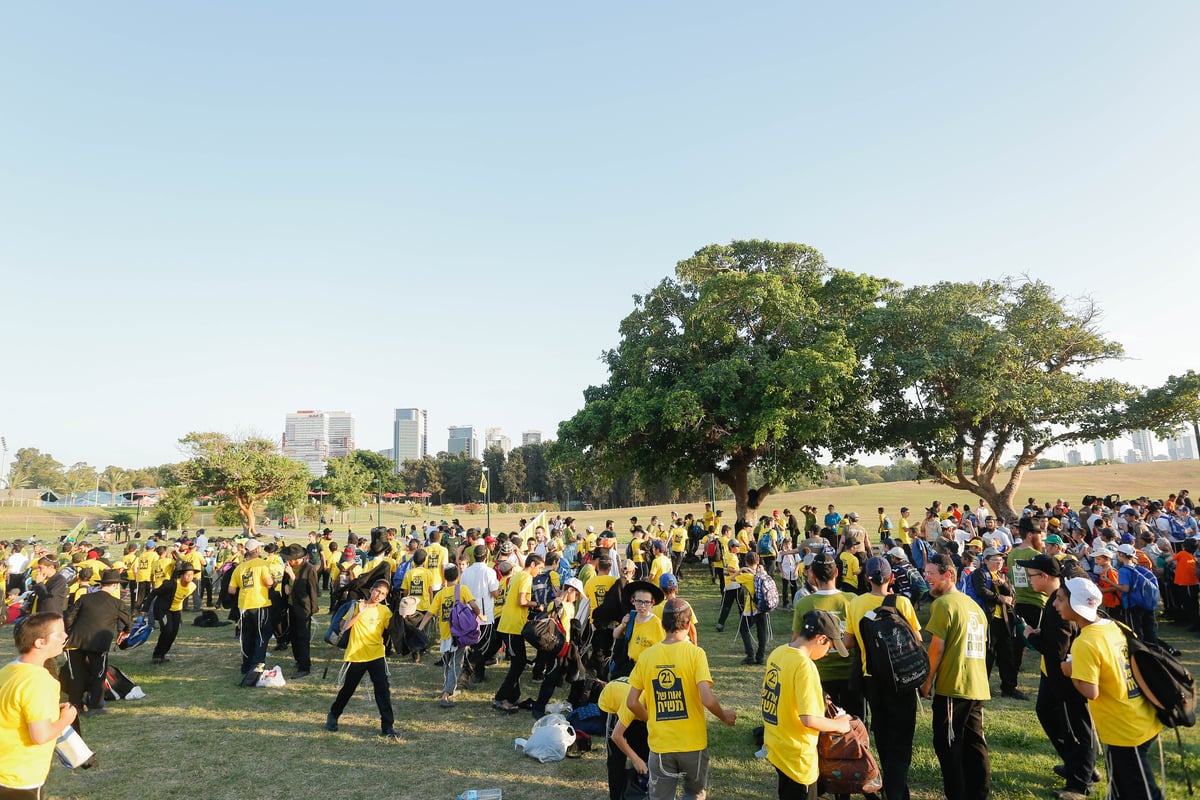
(846, 763)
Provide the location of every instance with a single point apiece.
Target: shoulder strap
(629, 626)
(890, 600)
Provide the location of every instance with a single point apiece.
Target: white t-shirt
(17, 564)
(482, 581)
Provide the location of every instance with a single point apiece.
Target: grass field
(198, 735)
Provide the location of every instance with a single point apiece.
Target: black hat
(292, 551)
(1043, 563)
(110, 576)
(642, 586)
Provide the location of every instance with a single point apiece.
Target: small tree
(174, 508)
(247, 470)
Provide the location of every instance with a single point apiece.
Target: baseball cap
(1085, 597)
(665, 581)
(1054, 538)
(1043, 563)
(991, 551)
(574, 583)
(824, 623)
(852, 515)
(252, 545)
(1104, 552)
(976, 543)
(590, 529)
(1127, 549)
(947, 524)
(1055, 522)
(878, 569)
(897, 552)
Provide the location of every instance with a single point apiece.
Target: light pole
(379, 500)
(487, 498)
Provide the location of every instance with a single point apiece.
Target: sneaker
(720, 628)
(1061, 771)
(748, 661)
(444, 703)
(331, 723)
(298, 674)
(1015, 694)
(390, 737)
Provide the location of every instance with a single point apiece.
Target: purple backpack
(464, 622)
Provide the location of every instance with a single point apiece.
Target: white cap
(1085, 597)
(251, 545)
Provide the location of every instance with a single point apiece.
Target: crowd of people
(600, 614)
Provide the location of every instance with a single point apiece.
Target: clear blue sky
(212, 214)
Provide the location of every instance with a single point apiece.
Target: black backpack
(894, 652)
(1164, 681)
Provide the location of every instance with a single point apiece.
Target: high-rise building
(492, 437)
(1143, 441)
(463, 439)
(1104, 450)
(1181, 447)
(1133, 456)
(314, 437)
(531, 437)
(410, 435)
(1074, 457)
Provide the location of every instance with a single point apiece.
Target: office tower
(1143, 441)
(531, 437)
(1074, 457)
(1181, 447)
(492, 437)
(463, 439)
(314, 437)
(410, 435)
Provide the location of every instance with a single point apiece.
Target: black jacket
(52, 594)
(303, 589)
(92, 621)
(989, 593)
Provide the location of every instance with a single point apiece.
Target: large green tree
(969, 375)
(423, 475)
(247, 471)
(35, 469)
(743, 360)
(174, 509)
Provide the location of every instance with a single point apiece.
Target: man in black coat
(50, 594)
(91, 624)
(167, 603)
(301, 587)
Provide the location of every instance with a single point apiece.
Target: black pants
(789, 591)
(255, 631)
(301, 633)
(1185, 603)
(484, 650)
(84, 679)
(728, 601)
(1032, 614)
(961, 748)
(143, 591)
(790, 790)
(1130, 774)
(1000, 653)
(170, 623)
(377, 669)
(759, 621)
(1143, 623)
(510, 690)
(206, 590)
(851, 701)
(1064, 715)
(635, 737)
(893, 722)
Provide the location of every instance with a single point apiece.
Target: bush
(472, 508)
(447, 509)
(518, 508)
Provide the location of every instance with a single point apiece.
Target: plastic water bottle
(480, 794)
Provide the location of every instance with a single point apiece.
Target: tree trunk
(737, 478)
(246, 507)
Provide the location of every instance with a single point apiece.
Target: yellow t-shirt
(645, 634)
(1123, 716)
(145, 566)
(514, 616)
(746, 581)
(366, 634)
(443, 603)
(182, 593)
(612, 700)
(669, 677)
(661, 565)
(435, 559)
(850, 569)
(678, 539)
(595, 590)
(251, 578)
(418, 583)
(27, 694)
(863, 603)
(792, 689)
(163, 568)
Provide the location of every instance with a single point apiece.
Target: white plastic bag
(551, 737)
(71, 750)
(271, 678)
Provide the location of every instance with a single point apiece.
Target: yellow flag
(483, 483)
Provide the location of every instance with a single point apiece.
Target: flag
(527, 531)
(483, 483)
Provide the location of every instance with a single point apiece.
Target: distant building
(492, 437)
(1074, 458)
(463, 439)
(410, 435)
(1143, 441)
(531, 437)
(1104, 450)
(314, 437)
(1181, 447)
(1133, 456)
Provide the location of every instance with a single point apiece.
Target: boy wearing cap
(996, 597)
(252, 582)
(90, 623)
(1027, 601)
(1099, 668)
(793, 703)
(167, 604)
(1061, 710)
(893, 714)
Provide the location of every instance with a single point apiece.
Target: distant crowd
(604, 615)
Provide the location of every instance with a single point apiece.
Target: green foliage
(123, 517)
(517, 508)
(379, 466)
(460, 476)
(422, 475)
(31, 468)
(513, 475)
(962, 372)
(228, 515)
(174, 508)
(80, 477)
(346, 480)
(1048, 463)
(115, 480)
(248, 471)
(744, 360)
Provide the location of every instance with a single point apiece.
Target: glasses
(643, 602)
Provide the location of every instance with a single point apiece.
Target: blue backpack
(139, 634)
(920, 553)
(1143, 588)
(967, 586)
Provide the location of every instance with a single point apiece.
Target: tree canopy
(966, 374)
(246, 471)
(745, 359)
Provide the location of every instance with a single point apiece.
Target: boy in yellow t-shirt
(452, 655)
(365, 656)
